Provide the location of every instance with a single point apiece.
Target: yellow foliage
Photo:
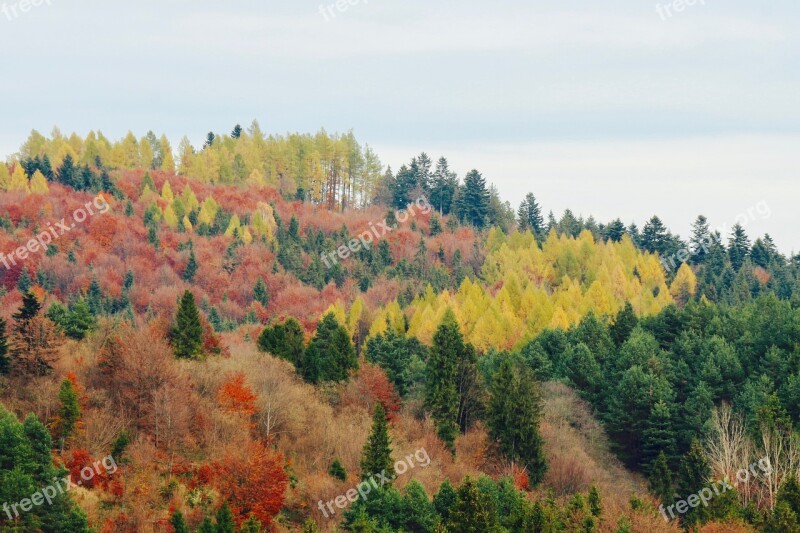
(233, 226)
(166, 192)
(170, 218)
(19, 180)
(39, 183)
(684, 285)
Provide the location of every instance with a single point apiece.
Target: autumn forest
(281, 333)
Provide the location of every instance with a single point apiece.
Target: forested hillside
(259, 333)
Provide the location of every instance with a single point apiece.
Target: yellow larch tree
(39, 183)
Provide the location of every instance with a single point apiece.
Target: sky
(613, 109)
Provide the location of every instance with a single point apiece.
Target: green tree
(693, 475)
(251, 525)
(69, 412)
(623, 324)
(337, 471)
(330, 355)
(441, 394)
(529, 216)
(660, 481)
(738, 247)
(225, 522)
(473, 511)
(260, 293)
(377, 455)
(191, 267)
(473, 200)
(513, 416)
(187, 332)
(178, 523)
(286, 341)
(5, 362)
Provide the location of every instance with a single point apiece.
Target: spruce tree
(693, 475)
(660, 481)
(623, 325)
(207, 526)
(178, 523)
(225, 523)
(473, 511)
(187, 333)
(69, 412)
(377, 455)
(5, 362)
(330, 355)
(738, 247)
(441, 394)
(260, 293)
(700, 240)
(251, 525)
(237, 132)
(658, 436)
(191, 267)
(529, 216)
(473, 200)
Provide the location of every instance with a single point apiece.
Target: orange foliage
(236, 396)
(252, 479)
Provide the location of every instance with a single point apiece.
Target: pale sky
(608, 108)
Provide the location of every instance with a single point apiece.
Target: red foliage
(251, 477)
(86, 471)
(236, 396)
(376, 387)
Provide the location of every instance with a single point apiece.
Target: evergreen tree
(513, 418)
(655, 236)
(473, 511)
(260, 293)
(693, 476)
(443, 188)
(700, 240)
(29, 309)
(624, 323)
(5, 362)
(445, 500)
(336, 470)
(225, 522)
(69, 412)
(147, 183)
(595, 502)
(251, 525)
(206, 526)
(377, 455)
(94, 297)
(187, 333)
(330, 355)
(441, 396)
(178, 523)
(67, 174)
(738, 247)
(529, 216)
(660, 480)
(191, 267)
(473, 200)
(286, 341)
(237, 132)
(24, 282)
(659, 435)
(614, 231)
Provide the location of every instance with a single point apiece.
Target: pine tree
(595, 502)
(191, 267)
(237, 132)
(655, 236)
(337, 471)
(441, 397)
(178, 523)
(443, 188)
(659, 435)
(187, 333)
(377, 455)
(24, 282)
(623, 325)
(251, 525)
(206, 526)
(260, 293)
(286, 341)
(5, 362)
(147, 183)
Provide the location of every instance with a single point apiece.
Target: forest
(171, 310)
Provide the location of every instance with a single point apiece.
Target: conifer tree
(529, 216)
(39, 183)
(473, 511)
(187, 333)
(178, 523)
(5, 362)
(441, 395)
(286, 341)
(67, 174)
(738, 247)
(660, 480)
(473, 200)
(693, 475)
(377, 455)
(330, 355)
(700, 240)
(260, 293)
(69, 412)
(225, 522)
(191, 267)
(251, 525)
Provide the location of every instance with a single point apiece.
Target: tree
(178, 523)
(441, 395)
(337, 471)
(187, 332)
(660, 480)
(260, 293)
(655, 236)
(529, 216)
(443, 188)
(5, 362)
(738, 247)
(473, 511)
(700, 240)
(35, 340)
(623, 324)
(473, 200)
(191, 267)
(286, 341)
(693, 475)
(330, 355)
(513, 418)
(237, 132)
(39, 183)
(225, 522)
(69, 412)
(67, 174)
(377, 455)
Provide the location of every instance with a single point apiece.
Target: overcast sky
(613, 108)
